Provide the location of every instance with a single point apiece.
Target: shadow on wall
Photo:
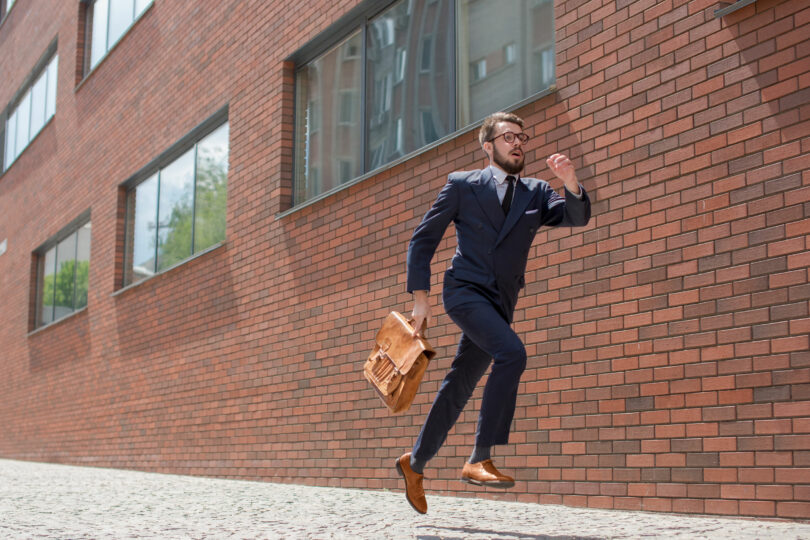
(65, 342)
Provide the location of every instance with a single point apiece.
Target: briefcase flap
(396, 340)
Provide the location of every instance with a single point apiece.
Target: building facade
(205, 209)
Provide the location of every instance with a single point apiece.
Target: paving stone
(66, 502)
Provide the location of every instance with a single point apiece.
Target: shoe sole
(499, 485)
(402, 474)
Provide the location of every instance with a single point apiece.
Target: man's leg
(469, 365)
(486, 335)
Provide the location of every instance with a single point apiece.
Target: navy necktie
(510, 191)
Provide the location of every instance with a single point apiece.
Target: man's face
(507, 156)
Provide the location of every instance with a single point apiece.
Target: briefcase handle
(423, 331)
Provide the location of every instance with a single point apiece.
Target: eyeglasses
(509, 137)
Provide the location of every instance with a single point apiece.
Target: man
(496, 214)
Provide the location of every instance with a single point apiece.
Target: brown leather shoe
(484, 473)
(413, 484)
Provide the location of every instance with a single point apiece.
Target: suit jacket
(492, 249)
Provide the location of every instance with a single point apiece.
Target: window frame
(358, 19)
(25, 91)
(86, 34)
(187, 143)
(39, 256)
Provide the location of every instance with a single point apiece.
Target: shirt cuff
(581, 191)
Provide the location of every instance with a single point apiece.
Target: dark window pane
(212, 189)
(329, 127)
(142, 245)
(409, 52)
(175, 211)
(82, 265)
(65, 279)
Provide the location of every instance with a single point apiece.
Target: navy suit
(480, 291)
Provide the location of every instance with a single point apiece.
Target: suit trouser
(486, 336)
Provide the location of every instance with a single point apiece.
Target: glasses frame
(510, 136)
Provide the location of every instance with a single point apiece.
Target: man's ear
(487, 146)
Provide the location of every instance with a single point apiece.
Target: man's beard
(509, 167)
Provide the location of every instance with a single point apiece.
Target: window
(5, 6)
(107, 22)
(421, 69)
(179, 209)
(510, 53)
(32, 110)
(62, 275)
(478, 70)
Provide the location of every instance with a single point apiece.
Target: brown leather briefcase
(397, 362)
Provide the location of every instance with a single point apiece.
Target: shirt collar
(500, 175)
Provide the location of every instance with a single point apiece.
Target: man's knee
(513, 357)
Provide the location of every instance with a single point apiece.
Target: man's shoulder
(464, 176)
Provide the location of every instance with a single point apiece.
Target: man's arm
(423, 245)
(575, 208)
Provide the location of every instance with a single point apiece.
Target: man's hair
(488, 127)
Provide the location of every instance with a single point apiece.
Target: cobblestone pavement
(64, 502)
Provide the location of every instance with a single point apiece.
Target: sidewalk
(65, 502)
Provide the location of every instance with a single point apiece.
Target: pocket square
(529, 212)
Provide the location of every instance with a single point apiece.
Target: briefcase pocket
(382, 370)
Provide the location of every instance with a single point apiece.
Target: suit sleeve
(571, 211)
(427, 236)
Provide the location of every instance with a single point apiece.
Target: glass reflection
(505, 55)
(82, 266)
(65, 278)
(410, 90)
(329, 127)
(121, 13)
(175, 211)
(48, 272)
(210, 199)
(143, 243)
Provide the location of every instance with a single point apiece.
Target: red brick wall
(669, 366)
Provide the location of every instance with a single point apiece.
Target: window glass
(63, 276)
(82, 265)
(33, 111)
(395, 110)
(212, 189)
(495, 71)
(23, 123)
(179, 210)
(431, 67)
(110, 20)
(11, 138)
(50, 105)
(333, 81)
(38, 95)
(121, 16)
(175, 211)
(47, 273)
(65, 279)
(100, 13)
(141, 5)
(143, 242)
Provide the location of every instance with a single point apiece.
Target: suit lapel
(522, 199)
(484, 188)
